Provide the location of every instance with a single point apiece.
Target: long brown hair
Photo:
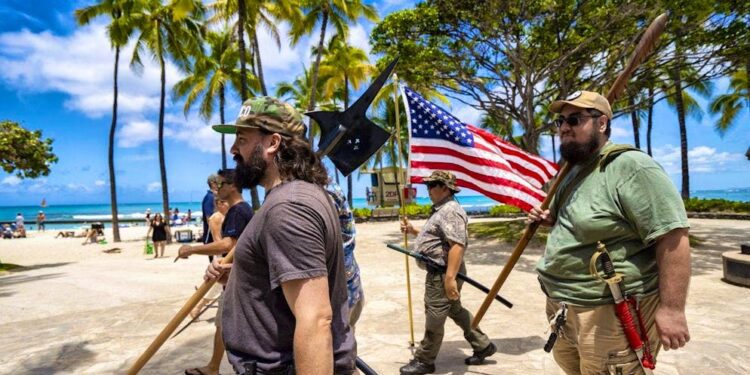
(296, 160)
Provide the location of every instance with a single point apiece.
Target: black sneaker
(415, 367)
(478, 357)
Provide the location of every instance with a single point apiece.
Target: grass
(506, 231)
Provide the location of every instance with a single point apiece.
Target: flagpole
(402, 207)
(644, 47)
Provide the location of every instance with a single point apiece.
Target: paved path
(76, 310)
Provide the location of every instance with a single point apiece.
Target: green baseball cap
(265, 112)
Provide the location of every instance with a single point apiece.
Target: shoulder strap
(605, 157)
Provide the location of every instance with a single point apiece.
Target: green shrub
(504, 210)
(362, 212)
(414, 209)
(716, 205)
(507, 231)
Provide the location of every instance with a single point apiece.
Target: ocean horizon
(97, 212)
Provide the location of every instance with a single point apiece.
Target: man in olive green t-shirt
(625, 200)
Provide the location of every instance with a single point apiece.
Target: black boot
(415, 367)
(478, 357)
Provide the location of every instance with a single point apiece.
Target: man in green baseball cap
(286, 300)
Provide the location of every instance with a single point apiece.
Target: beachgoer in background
(160, 231)
(444, 238)
(348, 234)
(175, 215)
(207, 207)
(7, 232)
(40, 219)
(19, 221)
(91, 236)
(189, 217)
(148, 216)
(237, 217)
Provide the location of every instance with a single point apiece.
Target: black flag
(349, 138)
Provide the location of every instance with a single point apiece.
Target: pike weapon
(205, 308)
(638, 342)
(440, 268)
(644, 47)
(364, 367)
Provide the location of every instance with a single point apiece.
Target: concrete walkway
(76, 310)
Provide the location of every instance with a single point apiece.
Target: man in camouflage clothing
(444, 239)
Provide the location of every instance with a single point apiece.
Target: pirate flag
(349, 138)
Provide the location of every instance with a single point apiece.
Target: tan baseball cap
(267, 113)
(584, 99)
(448, 179)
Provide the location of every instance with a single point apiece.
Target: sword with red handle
(638, 341)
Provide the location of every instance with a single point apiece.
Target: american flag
(480, 160)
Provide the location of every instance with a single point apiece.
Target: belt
(251, 368)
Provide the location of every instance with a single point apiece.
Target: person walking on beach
(237, 217)
(19, 221)
(207, 207)
(286, 302)
(618, 196)
(348, 233)
(160, 231)
(40, 219)
(444, 239)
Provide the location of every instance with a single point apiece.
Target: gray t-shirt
(295, 235)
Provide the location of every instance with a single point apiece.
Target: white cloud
(621, 132)
(358, 37)
(196, 133)
(11, 181)
(701, 159)
(99, 183)
(80, 65)
(154, 186)
(135, 133)
(277, 60)
(467, 114)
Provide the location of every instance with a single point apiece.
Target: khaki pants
(437, 308)
(593, 342)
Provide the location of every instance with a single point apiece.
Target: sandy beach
(74, 309)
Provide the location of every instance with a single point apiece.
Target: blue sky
(57, 77)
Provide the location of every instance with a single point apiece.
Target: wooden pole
(176, 320)
(402, 207)
(644, 47)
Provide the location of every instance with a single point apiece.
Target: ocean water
(95, 212)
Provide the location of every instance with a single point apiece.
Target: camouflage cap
(267, 113)
(586, 100)
(445, 177)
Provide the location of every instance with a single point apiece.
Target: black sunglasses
(573, 120)
(433, 184)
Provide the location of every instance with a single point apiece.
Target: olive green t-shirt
(627, 205)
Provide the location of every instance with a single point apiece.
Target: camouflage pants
(437, 308)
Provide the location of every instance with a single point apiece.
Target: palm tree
(119, 32)
(678, 97)
(343, 65)
(167, 31)
(729, 105)
(338, 13)
(209, 77)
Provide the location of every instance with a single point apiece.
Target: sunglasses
(573, 120)
(432, 184)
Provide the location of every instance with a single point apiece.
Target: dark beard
(575, 153)
(249, 173)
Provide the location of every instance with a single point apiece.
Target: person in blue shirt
(207, 207)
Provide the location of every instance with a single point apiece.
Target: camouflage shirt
(348, 232)
(446, 223)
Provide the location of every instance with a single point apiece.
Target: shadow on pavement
(67, 359)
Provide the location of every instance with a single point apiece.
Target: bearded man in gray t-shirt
(285, 305)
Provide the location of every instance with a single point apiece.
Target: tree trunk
(162, 162)
(316, 67)
(650, 125)
(636, 124)
(243, 78)
(683, 130)
(222, 102)
(259, 65)
(111, 156)
(554, 148)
